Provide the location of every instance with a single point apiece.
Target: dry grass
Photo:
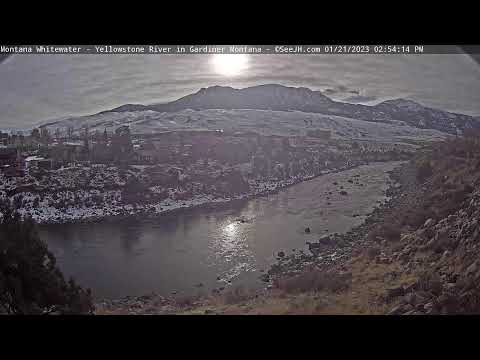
(314, 281)
(316, 293)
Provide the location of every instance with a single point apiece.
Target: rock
(281, 254)
(265, 277)
(449, 286)
(410, 287)
(428, 223)
(307, 230)
(410, 298)
(395, 310)
(343, 192)
(325, 239)
(394, 292)
(472, 268)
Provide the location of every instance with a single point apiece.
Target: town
(76, 174)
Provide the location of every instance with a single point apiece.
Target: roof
(71, 143)
(34, 158)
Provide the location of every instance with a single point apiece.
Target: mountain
(284, 98)
(262, 97)
(423, 117)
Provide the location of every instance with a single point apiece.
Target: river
(195, 250)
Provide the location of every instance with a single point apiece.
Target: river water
(228, 246)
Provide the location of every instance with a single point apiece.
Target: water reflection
(230, 229)
(130, 237)
(175, 252)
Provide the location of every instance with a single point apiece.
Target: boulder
(472, 268)
(394, 292)
(428, 223)
(396, 310)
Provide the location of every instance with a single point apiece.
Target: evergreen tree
(30, 281)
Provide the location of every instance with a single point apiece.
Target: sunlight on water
(230, 229)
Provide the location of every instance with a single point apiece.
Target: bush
(387, 231)
(30, 281)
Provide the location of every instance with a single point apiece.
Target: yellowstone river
(195, 250)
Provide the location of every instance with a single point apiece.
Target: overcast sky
(35, 88)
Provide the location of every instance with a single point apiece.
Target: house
(145, 156)
(8, 156)
(146, 153)
(45, 164)
(67, 152)
(4, 138)
(32, 161)
(12, 163)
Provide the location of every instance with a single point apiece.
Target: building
(12, 163)
(8, 156)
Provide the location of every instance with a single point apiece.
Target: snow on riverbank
(45, 213)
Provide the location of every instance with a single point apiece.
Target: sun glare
(230, 64)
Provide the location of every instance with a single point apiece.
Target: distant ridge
(284, 98)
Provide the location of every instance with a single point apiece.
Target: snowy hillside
(262, 121)
(281, 110)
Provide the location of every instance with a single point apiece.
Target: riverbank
(418, 256)
(49, 215)
(287, 265)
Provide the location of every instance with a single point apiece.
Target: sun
(230, 64)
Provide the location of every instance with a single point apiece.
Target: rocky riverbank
(288, 265)
(417, 254)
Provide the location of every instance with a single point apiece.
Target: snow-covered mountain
(262, 97)
(186, 111)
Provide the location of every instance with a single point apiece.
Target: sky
(38, 88)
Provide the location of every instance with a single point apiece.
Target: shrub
(387, 231)
(30, 281)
